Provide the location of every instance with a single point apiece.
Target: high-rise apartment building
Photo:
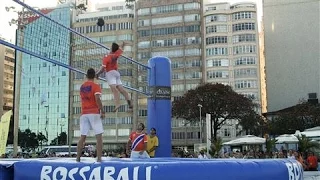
(117, 28)
(172, 29)
(7, 61)
(292, 43)
(231, 53)
(232, 47)
(44, 89)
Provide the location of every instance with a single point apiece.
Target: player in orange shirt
(92, 113)
(138, 141)
(110, 66)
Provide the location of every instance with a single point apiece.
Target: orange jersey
(138, 140)
(110, 61)
(88, 91)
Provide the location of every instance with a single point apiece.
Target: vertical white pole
(18, 72)
(208, 127)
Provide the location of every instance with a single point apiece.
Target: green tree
(270, 145)
(305, 144)
(27, 140)
(62, 139)
(42, 139)
(216, 99)
(300, 117)
(254, 124)
(216, 146)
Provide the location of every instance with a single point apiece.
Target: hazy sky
(8, 32)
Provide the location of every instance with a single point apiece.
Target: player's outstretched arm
(101, 70)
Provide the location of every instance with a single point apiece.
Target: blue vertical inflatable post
(159, 103)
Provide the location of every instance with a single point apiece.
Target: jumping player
(92, 113)
(110, 66)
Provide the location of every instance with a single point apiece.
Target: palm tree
(216, 146)
(306, 144)
(270, 144)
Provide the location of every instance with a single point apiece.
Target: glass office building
(44, 91)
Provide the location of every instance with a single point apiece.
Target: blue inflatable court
(151, 169)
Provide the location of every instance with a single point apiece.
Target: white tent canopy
(287, 139)
(246, 140)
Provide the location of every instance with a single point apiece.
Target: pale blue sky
(8, 32)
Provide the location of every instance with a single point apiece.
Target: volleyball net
(48, 35)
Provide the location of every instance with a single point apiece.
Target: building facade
(7, 61)
(231, 54)
(117, 28)
(172, 29)
(291, 51)
(44, 89)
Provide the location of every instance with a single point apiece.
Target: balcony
(8, 87)
(8, 80)
(8, 104)
(8, 96)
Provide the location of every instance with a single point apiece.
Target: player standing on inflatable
(92, 113)
(138, 140)
(110, 65)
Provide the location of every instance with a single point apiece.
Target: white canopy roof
(287, 139)
(245, 140)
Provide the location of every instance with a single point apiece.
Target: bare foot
(116, 109)
(130, 104)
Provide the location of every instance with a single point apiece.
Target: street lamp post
(57, 140)
(47, 122)
(200, 106)
(61, 125)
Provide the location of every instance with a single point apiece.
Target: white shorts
(90, 121)
(113, 77)
(136, 154)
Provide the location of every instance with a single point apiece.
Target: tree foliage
(305, 144)
(270, 145)
(216, 99)
(216, 147)
(254, 124)
(300, 117)
(60, 140)
(28, 140)
(42, 139)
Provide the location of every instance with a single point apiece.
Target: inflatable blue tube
(159, 103)
(159, 169)
(6, 169)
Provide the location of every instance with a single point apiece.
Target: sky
(8, 32)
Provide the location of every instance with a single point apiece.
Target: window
(143, 112)
(216, 18)
(217, 63)
(244, 38)
(243, 27)
(242, 84)
(123, 132)
(217, 40)
(245, 61)
(246, 49)
(64, 73)
(217, 51)
(217, 74)
(243, 15)
(245, 72)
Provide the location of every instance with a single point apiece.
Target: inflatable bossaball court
(151, 169)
